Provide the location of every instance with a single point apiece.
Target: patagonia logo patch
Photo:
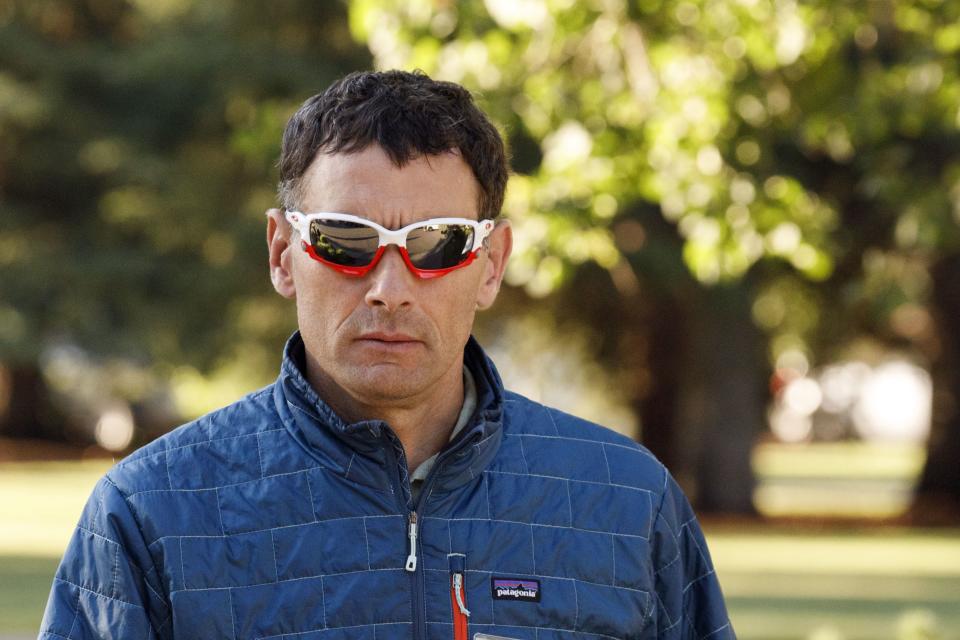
(515, 589)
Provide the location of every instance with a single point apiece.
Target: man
(386, 485)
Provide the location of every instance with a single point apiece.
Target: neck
(422, 423)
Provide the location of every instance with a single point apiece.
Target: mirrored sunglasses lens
(345, 243)
(439, 246)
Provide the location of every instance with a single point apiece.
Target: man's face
(387, 338)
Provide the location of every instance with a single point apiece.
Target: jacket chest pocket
(468, 601)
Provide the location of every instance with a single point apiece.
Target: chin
(387, 396)
(390, 385)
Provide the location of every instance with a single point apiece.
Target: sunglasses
(353, 245)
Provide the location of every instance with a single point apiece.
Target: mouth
(381, 336)
(389, 341)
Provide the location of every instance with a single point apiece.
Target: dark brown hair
(409, 115)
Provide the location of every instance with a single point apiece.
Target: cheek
(324, 300)
(454, 308)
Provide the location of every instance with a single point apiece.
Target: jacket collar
(357, 451)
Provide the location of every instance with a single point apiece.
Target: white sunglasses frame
(301, 222)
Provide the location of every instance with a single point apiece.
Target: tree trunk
(25, 410)
(657, 407)
(722, 399)
(938, 491)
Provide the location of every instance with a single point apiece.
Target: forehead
(367, 183)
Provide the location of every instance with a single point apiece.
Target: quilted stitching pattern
(234, 527)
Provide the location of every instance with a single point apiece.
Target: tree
(799, 150)
(137, 144)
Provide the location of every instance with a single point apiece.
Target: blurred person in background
(387, 485)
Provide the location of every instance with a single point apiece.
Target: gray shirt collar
(466, 412)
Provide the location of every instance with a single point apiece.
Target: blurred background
(738, 241)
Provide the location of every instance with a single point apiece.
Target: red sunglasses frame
(386, 237)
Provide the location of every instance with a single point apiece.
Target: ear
(281, 257)
(499, 245)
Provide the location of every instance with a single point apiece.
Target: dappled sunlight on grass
(40, 502)
(865, 551)
(868, 583)
(842, 479)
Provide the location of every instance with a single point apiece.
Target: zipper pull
(412, 533)
(458, 592)
(458, 568)
(458, 595)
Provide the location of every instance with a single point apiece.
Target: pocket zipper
(458, 595)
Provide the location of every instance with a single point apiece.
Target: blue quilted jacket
(272, 518)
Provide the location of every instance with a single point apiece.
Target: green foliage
(137, 150)
(779, 137)
(807, 149)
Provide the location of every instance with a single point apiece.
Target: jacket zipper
(412, 536)
(412, 564)
(458, 595)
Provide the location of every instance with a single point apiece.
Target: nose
(391, 285)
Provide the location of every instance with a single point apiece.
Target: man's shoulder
(186, 456)
(558, 444)
(530, 418)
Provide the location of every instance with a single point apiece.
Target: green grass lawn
(39, 506)
(780, 584)
(858, 584)
(40, 502)
(24, 585)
